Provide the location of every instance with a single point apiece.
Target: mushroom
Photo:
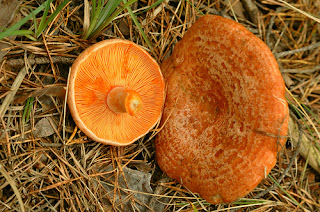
(115, 92)
(225, 116)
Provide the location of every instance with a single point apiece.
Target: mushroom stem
(122, 100)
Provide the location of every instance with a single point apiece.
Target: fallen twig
(40, 60)
(303, 49)
(278, 10)
(301, 71)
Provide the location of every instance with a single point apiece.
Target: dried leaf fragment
(43, 128)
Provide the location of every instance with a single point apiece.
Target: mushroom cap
(102, 67)
(225, 114)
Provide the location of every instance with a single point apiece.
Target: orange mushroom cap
(116, 92)
(225, 115)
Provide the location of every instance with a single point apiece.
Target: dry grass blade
(10, 96)
(13, 185)
(313, 17)
(86, 17)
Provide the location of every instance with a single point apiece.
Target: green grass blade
(27, 109)
(109, 20)
(284, 191)
(100, 5)
(93, 10)
(44, 16)
(10, 31)
(195, 7)
(34, 22)
(30, 108)
(94, 18)
(194, 207)
(22, 32)
(135, 20)
(31, 37)
(305, 123)
(245, 201)
(52, 16)
(108, 9)
(310, 111)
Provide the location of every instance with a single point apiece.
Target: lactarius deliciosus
(225, 116)
(116, 92)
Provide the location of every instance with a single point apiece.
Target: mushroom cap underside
(99, 69)
(225, 114)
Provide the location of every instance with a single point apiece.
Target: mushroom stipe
(224, 88)
(116, 92)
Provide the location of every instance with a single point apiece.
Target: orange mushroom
(225, 115)
(116, 92)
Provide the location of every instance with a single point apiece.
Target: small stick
(41, 60)
(303, 49)
(210, 10)
(302, 71)
(50, 58)
(279, 38)
(278, 10)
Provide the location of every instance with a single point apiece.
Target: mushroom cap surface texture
(225, 114)
(112, 64)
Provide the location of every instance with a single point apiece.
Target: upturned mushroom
(225, 116)
(116, 92)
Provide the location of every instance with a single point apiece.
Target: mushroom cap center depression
(210, 102)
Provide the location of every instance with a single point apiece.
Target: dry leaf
(142, 166)
(137, 181)
(307, 148)
(123, 27)
(237, 8)
(43, 128)
(8, 16)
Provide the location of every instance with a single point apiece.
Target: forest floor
(48, 164)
